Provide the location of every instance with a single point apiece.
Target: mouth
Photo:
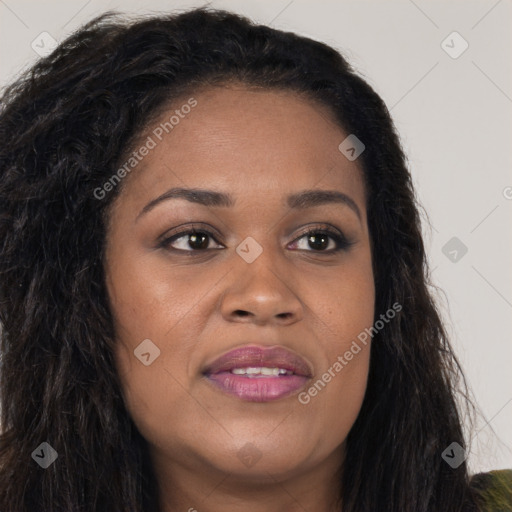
(258, 374)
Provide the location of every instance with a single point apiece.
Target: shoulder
(494, 490)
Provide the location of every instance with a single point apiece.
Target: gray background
(454, 117)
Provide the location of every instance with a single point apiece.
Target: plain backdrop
(450, 96)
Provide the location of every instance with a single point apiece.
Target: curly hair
(65, 125)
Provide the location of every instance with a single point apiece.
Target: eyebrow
(212, 198)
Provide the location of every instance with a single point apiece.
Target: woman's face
(250, 279)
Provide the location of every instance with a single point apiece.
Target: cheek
(345, 307)
(335, 395)
(154, 305)
(155, 387)
(148, 297)
(345, 304)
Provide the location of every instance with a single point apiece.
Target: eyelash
(342, 244)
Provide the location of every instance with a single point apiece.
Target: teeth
(261, 371)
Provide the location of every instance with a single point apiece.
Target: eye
(318, 239)
(193, 240)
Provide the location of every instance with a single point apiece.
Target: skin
(259, 146)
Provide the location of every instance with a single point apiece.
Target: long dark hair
(64, 126)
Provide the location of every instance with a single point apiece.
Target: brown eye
(319, 239)
(192, 240)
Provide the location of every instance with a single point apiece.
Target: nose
(261, 293)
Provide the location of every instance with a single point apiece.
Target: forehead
(268, 142)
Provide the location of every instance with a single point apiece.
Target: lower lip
(257, 389)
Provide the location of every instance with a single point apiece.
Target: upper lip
(256, 356)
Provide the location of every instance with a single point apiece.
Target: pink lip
(261, 388)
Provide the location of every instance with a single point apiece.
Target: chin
(268, 468)
(264, 460)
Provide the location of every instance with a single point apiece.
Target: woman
(213, 286)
